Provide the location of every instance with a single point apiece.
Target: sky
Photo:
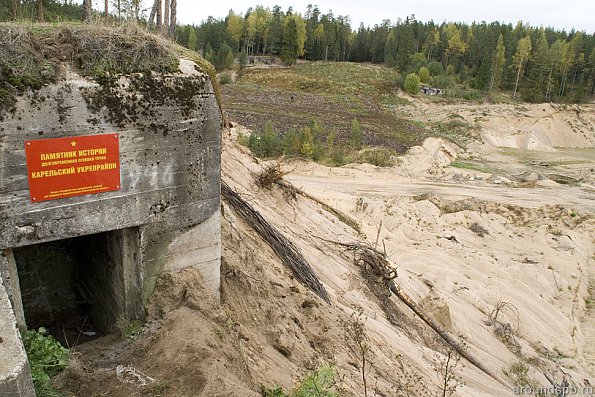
(577, 14)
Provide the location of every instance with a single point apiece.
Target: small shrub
(47, 357)
(276, 392)
(411, 84)
(356, 135)
(315, 384)
(243, 59)
(159, 389)
(424, 74)
(242, 139)
(378, 156)
(519, 374)
(225, 78)
(478, 229)
(133, 330)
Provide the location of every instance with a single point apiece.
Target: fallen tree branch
(367, 257)
(283, 247)
(343, 217)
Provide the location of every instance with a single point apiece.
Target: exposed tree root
(283, 247)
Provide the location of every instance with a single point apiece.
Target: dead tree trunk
(444, 334)
(106, 8)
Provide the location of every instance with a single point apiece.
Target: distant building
(430, 90)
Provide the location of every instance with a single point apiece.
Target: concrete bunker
(92, 247)
(83, 286)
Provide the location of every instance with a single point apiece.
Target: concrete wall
(15, 377)
(170, 148)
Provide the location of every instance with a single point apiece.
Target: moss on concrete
(34, 55)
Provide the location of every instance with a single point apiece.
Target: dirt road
(575, 198)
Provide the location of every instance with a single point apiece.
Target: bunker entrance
(77, 288)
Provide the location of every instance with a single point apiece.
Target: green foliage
(315, 384)
(276, 392)
(294, 37)
(471, 166)
(266, 144)
(243, 59)
(411, 84)
(46, 359)
(313, 142)
(159, 389)
(424, 74)
(53, 10)
(192, 43)
(133, 330)
(378, 156)
(519, 374)
(225, 56)
(27, 64)
(435, 68)
(443, 81)
(355, 138)
(457, 131)
(224, 78)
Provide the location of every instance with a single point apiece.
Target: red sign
(72, 166)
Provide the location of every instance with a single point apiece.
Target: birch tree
(498, 60)
(520, 60)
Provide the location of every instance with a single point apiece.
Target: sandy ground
(461, 244)
(541, 127)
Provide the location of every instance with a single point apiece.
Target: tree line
(536, 63)
(162, 18)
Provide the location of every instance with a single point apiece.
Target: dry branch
(271, 174)
(283, 247)
(367, 257)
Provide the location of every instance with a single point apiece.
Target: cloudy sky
(577, 14)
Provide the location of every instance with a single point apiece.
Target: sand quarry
(464, 241)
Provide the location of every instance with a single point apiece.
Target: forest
(535, 64)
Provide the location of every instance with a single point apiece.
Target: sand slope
(460, 250)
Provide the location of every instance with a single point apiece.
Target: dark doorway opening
(76, 287)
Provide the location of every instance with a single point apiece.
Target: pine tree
(538, 70)
(356, 135)
(173, 18)
(14, 10)
(192, 39)
(40, 15)
(294, 38)
(165, 26)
